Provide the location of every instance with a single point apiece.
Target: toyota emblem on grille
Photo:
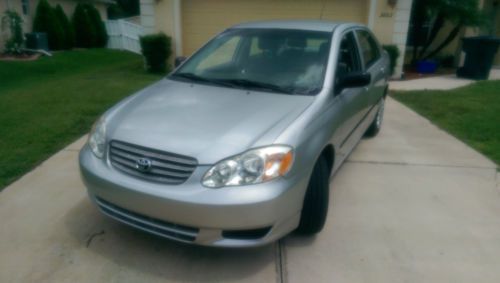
(143, 164)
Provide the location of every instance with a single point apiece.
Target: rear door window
(369, 48)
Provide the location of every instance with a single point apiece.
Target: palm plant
(459, 13)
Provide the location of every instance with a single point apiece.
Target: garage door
(202, 19)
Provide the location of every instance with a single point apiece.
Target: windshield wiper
(234, 83)
(256, 85)
(196, 78)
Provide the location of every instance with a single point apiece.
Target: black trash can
(37, 41)
(479, 55)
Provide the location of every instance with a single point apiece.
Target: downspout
(177, 27)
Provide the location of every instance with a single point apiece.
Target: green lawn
(471, 113)
(48, 103)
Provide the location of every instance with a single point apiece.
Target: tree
(101, 34)
(69, 33)
(88, 26)
(460, 13)
(85, 33)
(46, 21)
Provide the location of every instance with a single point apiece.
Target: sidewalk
(438, 83)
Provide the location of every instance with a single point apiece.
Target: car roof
(315, 25)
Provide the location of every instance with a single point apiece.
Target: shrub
(393, 52)
(100, 29)
(156, 50)
(69, 33)
(46, 21)
(14, 23)
(85, 33)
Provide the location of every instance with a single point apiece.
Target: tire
(377, 121)
(315, 207)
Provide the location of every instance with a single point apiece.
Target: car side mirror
(179, 60)
(356, 79)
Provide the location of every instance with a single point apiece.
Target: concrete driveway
(412, 205)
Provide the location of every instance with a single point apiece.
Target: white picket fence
(124, 35)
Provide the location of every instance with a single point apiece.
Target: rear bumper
(233, 216)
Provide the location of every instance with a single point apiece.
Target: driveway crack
(418, 164)
(92, 236)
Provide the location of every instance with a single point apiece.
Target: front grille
(149, 224)
(166, 167)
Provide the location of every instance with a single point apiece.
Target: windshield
(274, 60)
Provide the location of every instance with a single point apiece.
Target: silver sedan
(237, 145)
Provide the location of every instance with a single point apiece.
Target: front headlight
(251, 167)
(97, 138)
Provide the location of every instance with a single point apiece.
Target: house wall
(2, 33)
(390, 25)
(202, 19)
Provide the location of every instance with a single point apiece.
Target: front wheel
(377, 122)
(315, 207)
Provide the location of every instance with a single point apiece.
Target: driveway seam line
(420, 164)
(280, 262)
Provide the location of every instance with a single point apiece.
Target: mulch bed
(20, 57)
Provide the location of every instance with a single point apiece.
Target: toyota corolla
(237, 145)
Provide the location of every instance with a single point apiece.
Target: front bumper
(231, 216)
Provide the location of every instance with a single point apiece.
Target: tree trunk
(451, 36)
(417, 19)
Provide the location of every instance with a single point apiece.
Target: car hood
(208, 123)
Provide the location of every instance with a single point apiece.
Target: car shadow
(159, 257)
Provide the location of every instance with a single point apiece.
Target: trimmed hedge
(88, 26)
(393, 52)
(156, 49)
(46, 21)
(100, 29)
(69, 33)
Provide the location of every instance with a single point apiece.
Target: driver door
(349, 101)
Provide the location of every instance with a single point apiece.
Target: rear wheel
(377, 122)
(315, 207)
